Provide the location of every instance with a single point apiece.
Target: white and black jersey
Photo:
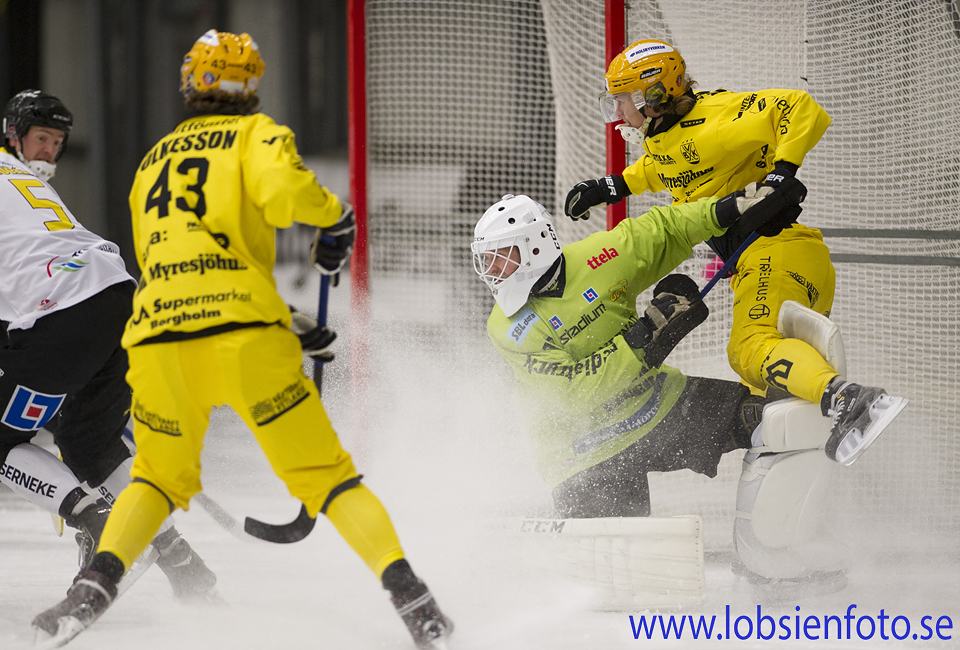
(48, 260)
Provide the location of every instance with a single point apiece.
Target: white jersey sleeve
(48, 261)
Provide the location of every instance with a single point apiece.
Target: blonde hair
(682, 104)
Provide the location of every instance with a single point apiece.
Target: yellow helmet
(651, 71)
(222, 61)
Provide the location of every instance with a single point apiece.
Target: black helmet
(36, 108)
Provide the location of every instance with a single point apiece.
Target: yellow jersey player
(209, 329)
(710, 144)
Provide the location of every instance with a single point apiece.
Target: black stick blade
(282, 533)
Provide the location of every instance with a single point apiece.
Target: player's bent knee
(170, 502)
(799, 322)
(350, 483)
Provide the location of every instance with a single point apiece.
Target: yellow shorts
(256, 371)
(792, 266)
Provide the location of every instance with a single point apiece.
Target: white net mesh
(470, 100)
(459, 113)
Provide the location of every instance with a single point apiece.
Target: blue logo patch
(556, 322)
(590, 295)
(29, 410)
(520, 327)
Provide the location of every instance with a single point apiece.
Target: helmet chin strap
(634, 135)
(41, 168)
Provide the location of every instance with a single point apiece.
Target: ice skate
(88, 514)
(189, 577)
(87, 599)
(860, 414)
(427, 624)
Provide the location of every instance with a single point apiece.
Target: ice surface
(440, 445)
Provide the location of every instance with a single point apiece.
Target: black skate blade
(67, 628)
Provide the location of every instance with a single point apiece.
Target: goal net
(471, 99)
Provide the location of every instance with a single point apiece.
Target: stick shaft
(324, 300)
(729, 263)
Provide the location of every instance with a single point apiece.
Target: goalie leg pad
(631, 562)
(780, 503)
(791, 425)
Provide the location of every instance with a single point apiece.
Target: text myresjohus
(684, 178)
(200, 264)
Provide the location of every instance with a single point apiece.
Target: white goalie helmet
(514, 244)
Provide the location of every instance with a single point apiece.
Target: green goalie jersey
(588, 394)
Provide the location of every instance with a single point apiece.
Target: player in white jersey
(66, 297)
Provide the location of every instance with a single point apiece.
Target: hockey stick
(292, 532)
(253, 528)
(304, 523)
(322, 321)
(729, 263)
(219, 515)
(282, 533)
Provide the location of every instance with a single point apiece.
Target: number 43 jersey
(48, 261)
(205, 204)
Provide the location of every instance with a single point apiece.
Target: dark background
(116, 65)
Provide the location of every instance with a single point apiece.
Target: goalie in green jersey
(603, 408)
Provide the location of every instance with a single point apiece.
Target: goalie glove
(759, 206)
(315, 340)
(609, 190)
(332, 245)
(675, 310)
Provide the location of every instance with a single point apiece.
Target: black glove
(782, 170)
(675, 310)
(314, 339)
(609, 189)
(332, 245)
(757, 205)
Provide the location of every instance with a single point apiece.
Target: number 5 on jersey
(23, 186)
